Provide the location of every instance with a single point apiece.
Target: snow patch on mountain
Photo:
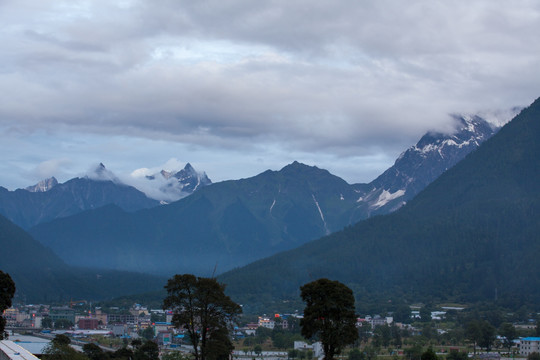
(385, 197)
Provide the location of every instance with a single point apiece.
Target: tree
(403, 314)
(122, 354)
(481, 333)
(201, 307)
(292, 354)
(46, 322)
(329, 315)
(456, 355)
(487, 337)
(59, 349)
(425, 313)
(473, 333)
(429, 354)
(355, 354)
(147, 351)
(364, 332)
(63, 324)
(414, 352)
(136, 343)
(219, 345)
(7, 290)
(508, 331)
(148, 333)
(533, 356)
(93, 352)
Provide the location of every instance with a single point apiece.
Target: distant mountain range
(232, 223)
(471, 235)
(49, 200)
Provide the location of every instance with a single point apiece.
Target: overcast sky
(236, 87)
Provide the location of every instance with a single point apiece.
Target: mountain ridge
(471, 235)
(234, 222)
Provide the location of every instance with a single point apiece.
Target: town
(274, 336)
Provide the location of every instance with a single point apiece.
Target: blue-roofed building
(529, 345)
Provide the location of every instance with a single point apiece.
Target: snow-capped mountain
(49, 200)
(422, 163)
(43, 185)
(174, 185)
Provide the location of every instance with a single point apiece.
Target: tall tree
(509, 332)
(487, 335)
(201, 307)
(7, 290)
(329, 315)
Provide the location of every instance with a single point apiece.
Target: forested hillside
(473, 234)
(40, 275)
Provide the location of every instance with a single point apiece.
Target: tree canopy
(201, 307)
(329, 315)
(7, 290)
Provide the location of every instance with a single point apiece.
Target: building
(315, 347)
(529, 345)
(57, 313)
(266, 322)
(11, 351)
(88, 323)
(377, 320)
(121, 319)
(164, 338)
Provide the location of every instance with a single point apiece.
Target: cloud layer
(347, 85)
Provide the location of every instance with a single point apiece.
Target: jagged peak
(101, 173)
(188, 167)
(43, 185)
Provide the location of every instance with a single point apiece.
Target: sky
(236, 87)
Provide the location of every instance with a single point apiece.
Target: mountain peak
(43, 185)
(101, 173)
(295, 165)
(189, 168)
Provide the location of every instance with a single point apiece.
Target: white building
(315, 347)
(529, 345)
(266, 322)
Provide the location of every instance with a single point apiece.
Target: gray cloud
(343, 81)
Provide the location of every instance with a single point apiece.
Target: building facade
(529, 345)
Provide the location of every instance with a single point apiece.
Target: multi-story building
(57, 313)
(529, 345)
(121, 319)
(266, 322)
(88, 323)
